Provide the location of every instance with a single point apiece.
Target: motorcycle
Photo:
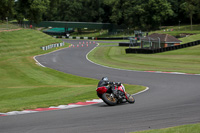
(114, 94)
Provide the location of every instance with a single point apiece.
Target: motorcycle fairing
(102, 90)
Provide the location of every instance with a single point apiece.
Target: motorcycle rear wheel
(109, 99)
(131, 99)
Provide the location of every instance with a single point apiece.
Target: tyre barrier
(52, 46)
(159, 50)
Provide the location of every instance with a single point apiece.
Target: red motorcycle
(114, 93)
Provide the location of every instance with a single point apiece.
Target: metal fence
(150, 43)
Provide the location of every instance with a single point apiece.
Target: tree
(157, 11)
(6, 9)
(142, 14)
(21, 8)
(107, 8)
(36, 10)
(138, 14)
(93, 10)
(71, 10)
(117, 11)
(81, 10)
(190, 7)
(134, 14)
(52, 9)
(33, 10)
(178, 13)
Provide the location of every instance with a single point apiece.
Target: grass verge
(190, 38)
(185, 60)
(25, 85)
(192, 128)
(177, 30)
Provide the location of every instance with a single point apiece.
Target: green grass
(23, 43)
(25, 85)
(196, 27)
(192, 128)
(185, 60)
(5, 26)
(178, 30)
(190, 38)
(177, 33)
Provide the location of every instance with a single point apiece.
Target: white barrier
(52, 46)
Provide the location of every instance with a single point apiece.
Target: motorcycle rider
(105, 82)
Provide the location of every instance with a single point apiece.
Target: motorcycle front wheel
(131, 99)
(109, 99)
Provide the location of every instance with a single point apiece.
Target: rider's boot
(127, 94)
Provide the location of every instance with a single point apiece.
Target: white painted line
(37, 62)
(96, 100)
(147, 88)
(66, 106)
(73, 106)
(19, 112)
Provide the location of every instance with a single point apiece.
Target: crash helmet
(105, 79)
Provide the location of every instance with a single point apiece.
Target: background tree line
(138, 14)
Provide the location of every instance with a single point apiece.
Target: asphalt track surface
(172, 100)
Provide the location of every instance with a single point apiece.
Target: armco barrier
(151, 51)
(71, 37)
(94, 38)
(52, 46)
(101, 38)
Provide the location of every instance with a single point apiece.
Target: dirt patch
(10, 30)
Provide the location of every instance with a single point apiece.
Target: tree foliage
(33, 10)
(138, 14)
(6, 9)
(157, 11)
(191, 7)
